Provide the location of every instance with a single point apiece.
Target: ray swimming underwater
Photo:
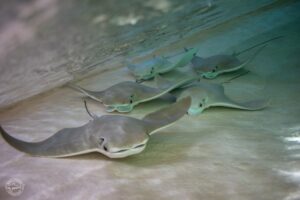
(124, 96)
(159, 65)
(215, 65)
(115, 136)
(205, 95)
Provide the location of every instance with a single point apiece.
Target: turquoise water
(220, 154)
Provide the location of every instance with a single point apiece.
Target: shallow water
(221, 154)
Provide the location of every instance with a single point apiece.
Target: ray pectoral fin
(249, 105)
(162, 83)
(186, 58)
(177, 85)
(166, 116)
(66, 142)
(197, 62)
(165, 67)
(168, 97)
(255, 104)
(183, 61)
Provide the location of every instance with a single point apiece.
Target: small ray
(124, 96)
(215, 65)
(205, 94)
(159, 65)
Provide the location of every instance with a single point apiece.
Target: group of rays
(118, 136)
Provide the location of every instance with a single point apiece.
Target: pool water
(220, 154)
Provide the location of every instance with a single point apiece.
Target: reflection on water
(292, 173)
(221, 154)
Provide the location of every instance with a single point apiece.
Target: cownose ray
(146, 70)
(159, 65)
(205, 95)
(115, 136)
(213, 66)
(124, 96)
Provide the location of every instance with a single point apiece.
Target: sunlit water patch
(292, 173)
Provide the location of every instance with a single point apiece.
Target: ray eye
(213, 70)
(200, 105)
(152, 70)
(101, 140)
(105, 148)
(131, 97)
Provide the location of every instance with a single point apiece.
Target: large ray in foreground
(114, 136)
